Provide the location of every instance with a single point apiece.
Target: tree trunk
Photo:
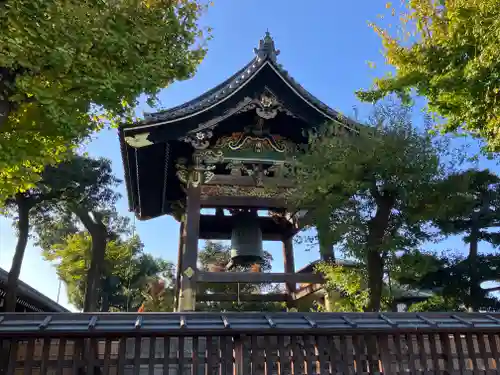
(105, 301)
(326, 250)
(5, 105)
(95, 271)
(375, 265)
(474, 287)
(17, 261)
(99, 234)
(377, 228)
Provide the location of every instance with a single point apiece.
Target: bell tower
(232, 150)
(240, 172)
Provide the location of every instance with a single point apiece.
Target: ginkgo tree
(81, 187)
(448, 52)
(67, 68)
(127, 270)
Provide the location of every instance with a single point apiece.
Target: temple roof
(29, 297)
(265, 54)
(151, 146)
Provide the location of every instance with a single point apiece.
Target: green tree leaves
(449, 276)
(375, 190)
(127, 271)
(69, 68)
(346, 287)
(451, 60)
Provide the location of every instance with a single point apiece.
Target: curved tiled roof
(37, 301)
(232, 97)
(199, 102)
(265, 54)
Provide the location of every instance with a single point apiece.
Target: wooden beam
(222, 297)
(205, 235)
(249, 181)
(215, 227)
(305, 291)
(256, 277)
(238, 202)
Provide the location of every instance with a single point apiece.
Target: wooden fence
(443, 349)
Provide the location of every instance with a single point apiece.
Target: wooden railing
(465, 344)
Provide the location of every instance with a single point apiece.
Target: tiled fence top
(40, 324)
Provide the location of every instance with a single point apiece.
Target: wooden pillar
(187, 296)
(177, 286)
(289, 267)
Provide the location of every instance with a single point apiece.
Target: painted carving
(138, 140)
(268, 100)
(208, 176)
(195, 175)
(242, 191)
(235, 167)
(256, 138)
(287, 170)
(268, 109)
(256, 171)
(208, 156)
(182, 171)
(258, 144)
(260, 170)
(267, 106)
(199, 140)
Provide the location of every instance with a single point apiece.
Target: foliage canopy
(448, 51)
(375, 190)
(79, 185)
(346, 287)
(66, 67)
(126, 271)
(473, 212)
(449, 277)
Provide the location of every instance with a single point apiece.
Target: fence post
(239, 355)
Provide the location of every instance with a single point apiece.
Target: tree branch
(85, 218)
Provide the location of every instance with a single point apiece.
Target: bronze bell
(246, 239)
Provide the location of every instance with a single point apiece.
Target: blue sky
(325, 45)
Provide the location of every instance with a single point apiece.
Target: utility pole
(59, 291)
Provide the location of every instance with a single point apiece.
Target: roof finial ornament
(267, 48)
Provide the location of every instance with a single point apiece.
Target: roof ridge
(32, 292)
(266, 51)
(199, 97)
